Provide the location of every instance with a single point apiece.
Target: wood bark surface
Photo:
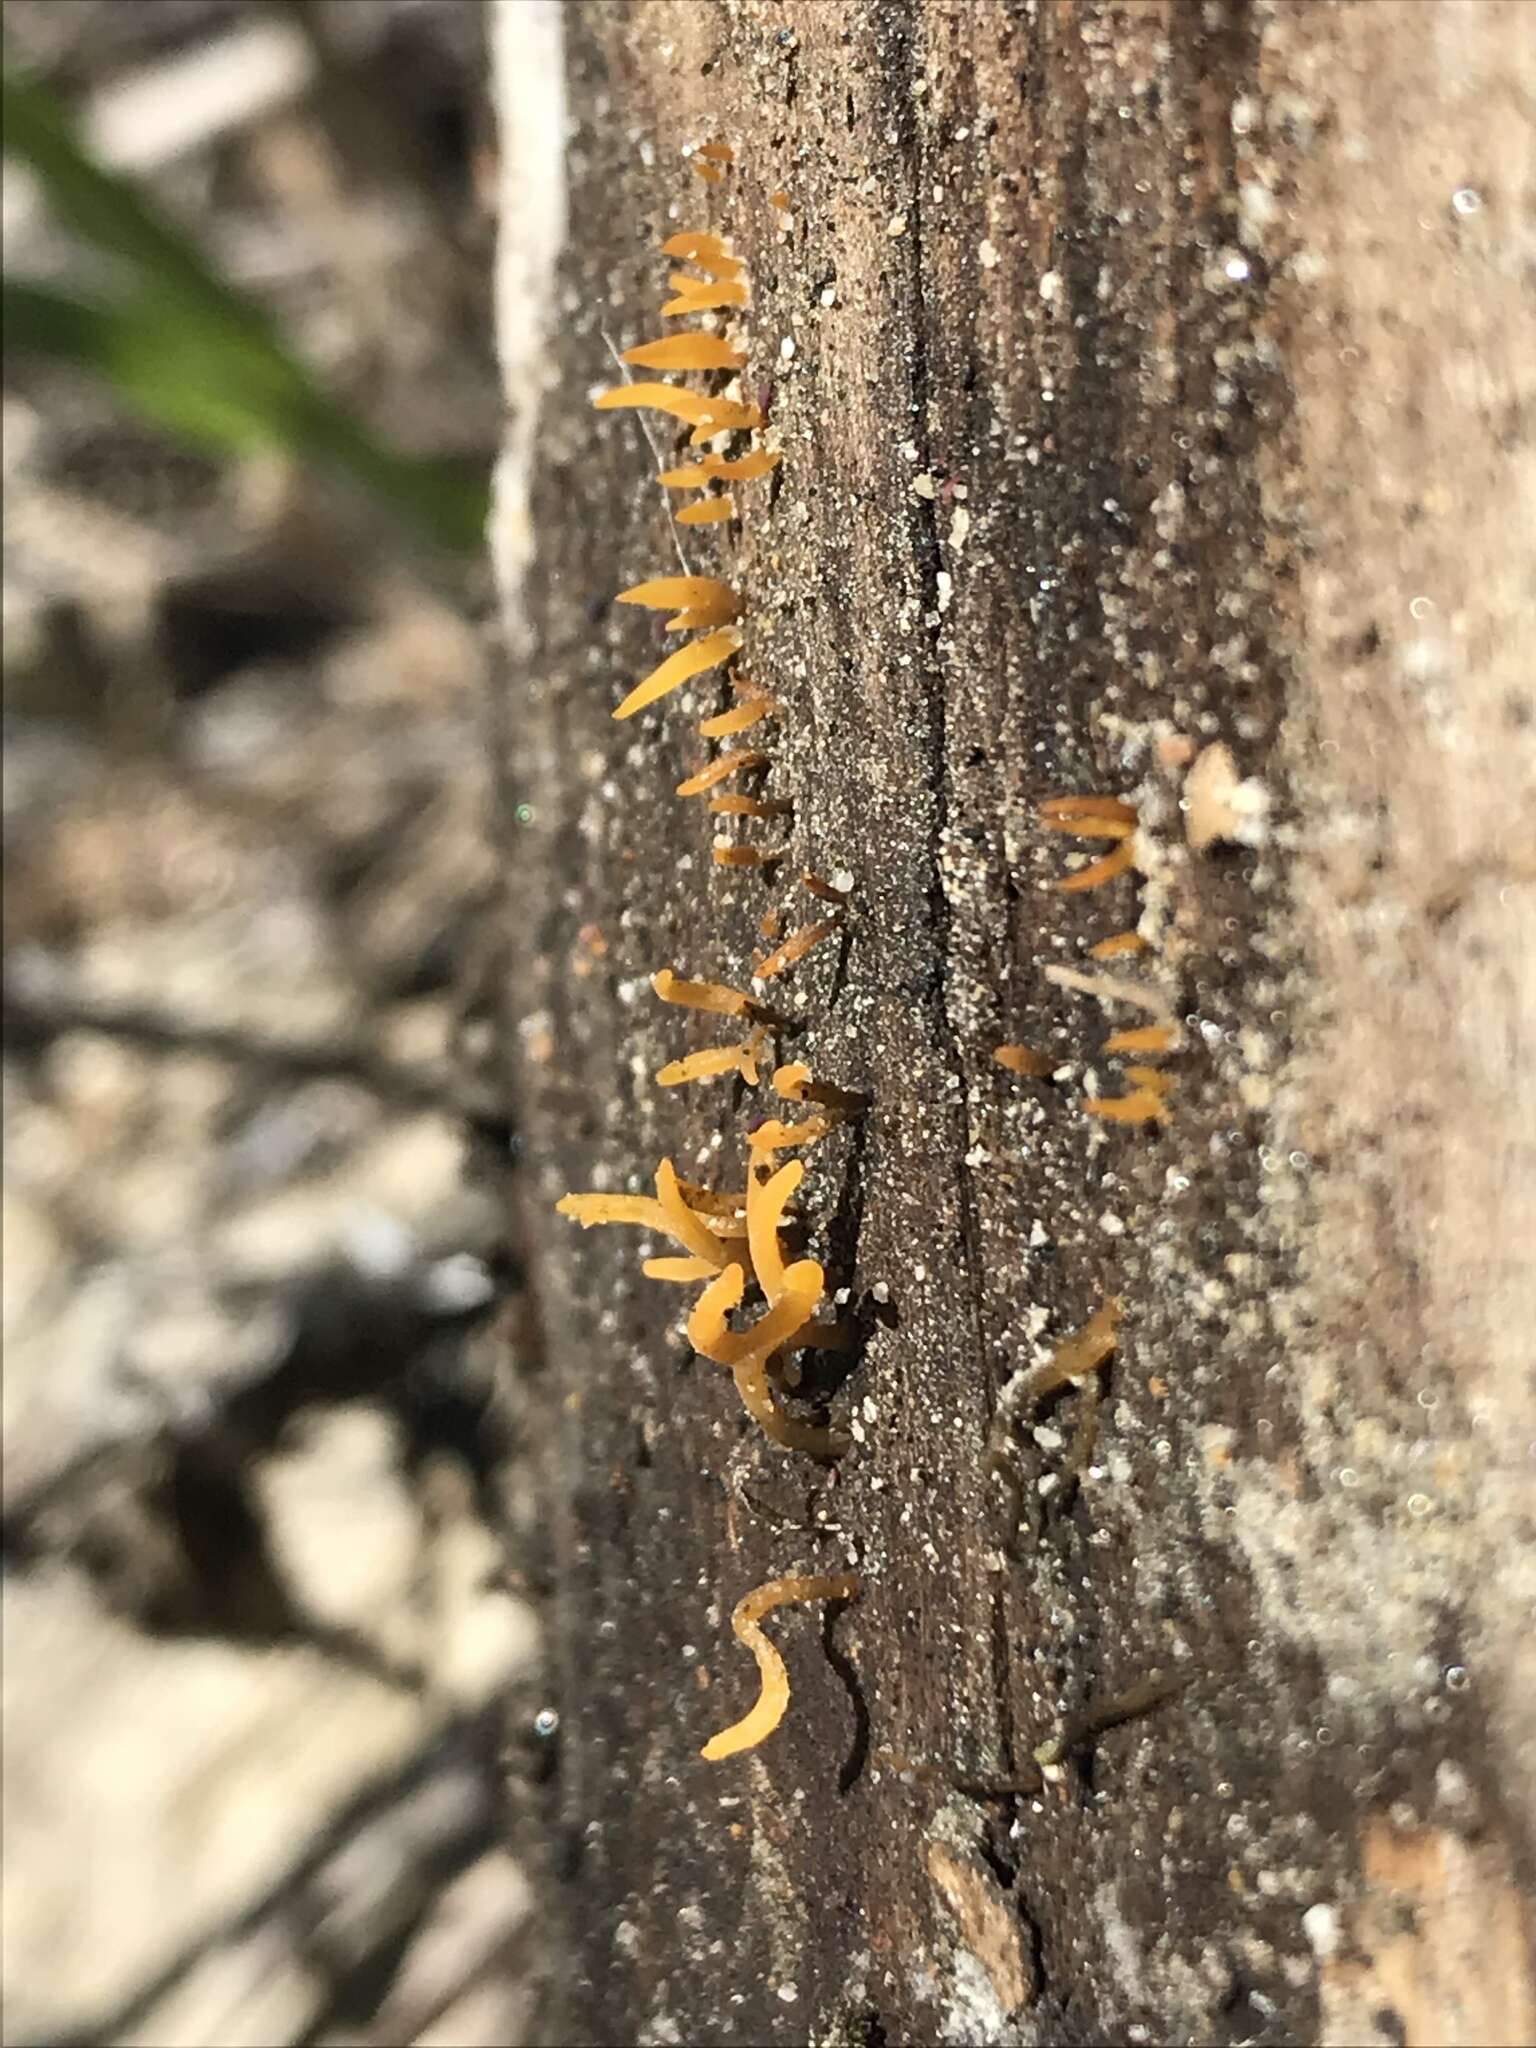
(1146, 377)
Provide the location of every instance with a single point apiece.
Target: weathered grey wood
(1159, 373)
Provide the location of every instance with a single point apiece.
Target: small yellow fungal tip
(710, 173)
(700, 995)
(682, 1272)
(589, 1209)
(716, 152)
(694, 244)
(694, 476)
(689, 1230)
(1155, 1078)
(688, 351)
(726, 416)
(1122, 942)
(1144, 1038)
(776, 1136)
(676, 399)
(773, 1673)
(1022, 1059)
(707, 1064)
(1055, 810)
(746, 856)
(717, 771)
(1141, 1106)
(694, 593)
(1100, 871)
(790, 1080)
(794, 949)
(767, 1199)
(681, 667)
(707, 512)
(704, 298)
(740, 718)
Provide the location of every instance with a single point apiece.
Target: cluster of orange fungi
(731, 1244)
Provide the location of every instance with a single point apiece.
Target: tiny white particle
(896, 225)
(787, 348)
(1050, 286)
(989, 256)
(1237, 268)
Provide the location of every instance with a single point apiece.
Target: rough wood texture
(1158, 373)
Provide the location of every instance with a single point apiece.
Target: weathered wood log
(1155, 396)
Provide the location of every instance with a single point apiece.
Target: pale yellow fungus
(1144, 1038)
(695, 407)
(681, 1272)
(688, 351)
(707, 512)
(700, 617)
(746, 856)
(773, 1674)
(717, 152)
(720, 768)
(707, 1064)
(1100, 871)
(704, 298)
(589, 1209)
(1090, 825)
(696, 245)
(1023, 1059)
(722, 469)
(751, 1052)
(701, 995)
(703, 593)
(1122, 942)
(648, 1214)
(710, 173)
(681, 667)
(793, 949)
(1155, 1078)
(747, 1352)
(1053, 810)
(776, 1136)
(727, 416)
(1074, 1357)
(740, 718)
(1141, 1106)
(682, 1223)
(767, 1198)
(751, 807)
(779, 200)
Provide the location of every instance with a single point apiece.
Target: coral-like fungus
(680, 667)
(721, 469)
(1074, 1357)
(745, 856)
(1098, 872)
(1144, 1038)
(1141, 1106)
(720, 768)
(774, 1136)
(707, 414)
(740, 718)
(773, 1695)
(789, 952)
(713, 996)
(704, 298)
(693, 350)
(708, 512)
(707, 1064)
(694, 593)
(747, 1352)
(1023, 1059)
(1120, 942)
